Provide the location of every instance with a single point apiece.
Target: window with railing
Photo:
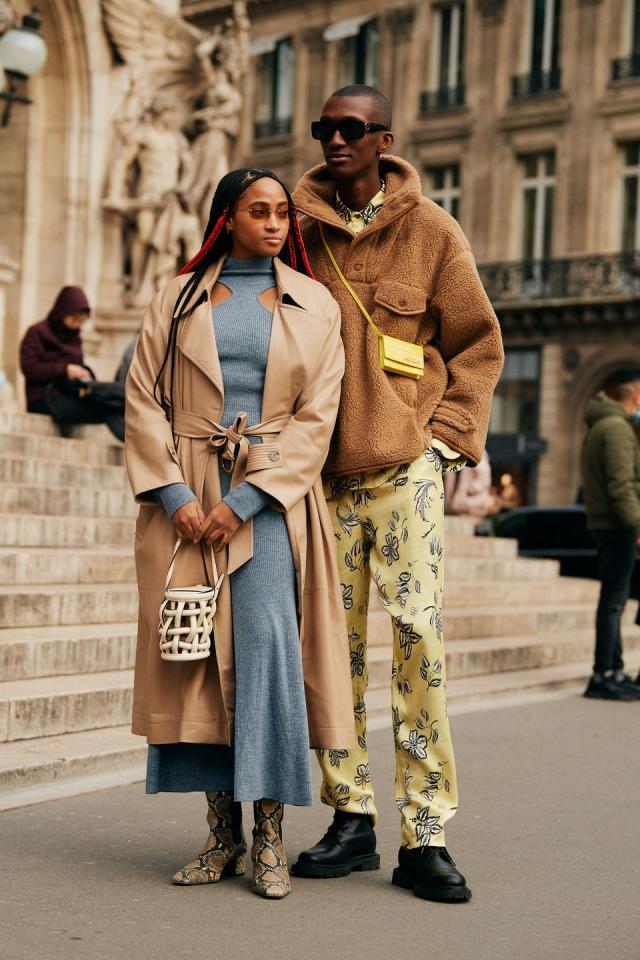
(628, 66)
(446, 88)
(543, 51)
(537, 188)
(630, 196)
(275, 84)
(359, 55)
(443, 185)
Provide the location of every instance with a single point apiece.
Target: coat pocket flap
(263, 456)
(400, 298)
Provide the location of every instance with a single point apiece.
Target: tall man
(611, 475)
(410, 265)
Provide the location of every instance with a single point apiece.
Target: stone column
(8, 269)
(403, 85)
(314, 48)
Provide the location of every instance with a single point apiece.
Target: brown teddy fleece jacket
(414, 271)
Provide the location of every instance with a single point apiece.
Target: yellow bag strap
(347, 284)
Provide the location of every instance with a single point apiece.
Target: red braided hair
(295, 228)
(208, 243)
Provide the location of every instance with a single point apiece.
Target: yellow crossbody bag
(395, 356)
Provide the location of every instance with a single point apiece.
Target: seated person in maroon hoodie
(51, 356)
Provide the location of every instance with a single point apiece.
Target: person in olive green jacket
(611, 476)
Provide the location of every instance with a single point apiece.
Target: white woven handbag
(187, 614)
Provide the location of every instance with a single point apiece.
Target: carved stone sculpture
(224, 58)
(174, 134)
(7, 15)
(151, 168)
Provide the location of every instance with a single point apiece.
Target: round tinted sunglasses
(263, 213)
(349, 129)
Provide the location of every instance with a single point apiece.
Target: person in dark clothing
(51, 359)
(611, 476)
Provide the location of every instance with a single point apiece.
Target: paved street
(548, 835)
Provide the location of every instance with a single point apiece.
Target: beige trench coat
(194, 702)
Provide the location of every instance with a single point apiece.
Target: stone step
(24, 530)
(490, 690)
(466, 623)
(29, 652)
(563, 590)
(48, 605)
(60, 449)
(49, 500)
(494, 621)
(47, 768)
(466, 547)
(52, 473)
(459, 526)
(56, 565)
(494, 569)
(47, 706)
(489, 655)
(41, 425)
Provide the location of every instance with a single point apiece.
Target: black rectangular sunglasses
(349, 128)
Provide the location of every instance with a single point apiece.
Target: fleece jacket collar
(315, 196)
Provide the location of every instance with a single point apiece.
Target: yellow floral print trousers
(389, 527)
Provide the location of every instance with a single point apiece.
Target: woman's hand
(187, 521)
(76, 372)
(219, 526)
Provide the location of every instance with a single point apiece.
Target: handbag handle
(173, 562)
(346, 283)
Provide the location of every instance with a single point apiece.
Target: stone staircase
(68, 608)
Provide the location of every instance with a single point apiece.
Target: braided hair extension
(215, 243)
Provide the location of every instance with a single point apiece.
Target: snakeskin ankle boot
(225, 850)
(270, 870)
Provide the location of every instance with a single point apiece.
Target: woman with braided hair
(232, 396)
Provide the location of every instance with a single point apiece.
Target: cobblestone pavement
(548, 835)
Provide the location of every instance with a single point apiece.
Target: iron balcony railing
(447, 98)
(272, 128)
(535, 84)
(574, 279)
(625, 68)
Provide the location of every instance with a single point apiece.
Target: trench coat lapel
(274, 398)
(197, 339)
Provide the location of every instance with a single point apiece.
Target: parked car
(557, 533)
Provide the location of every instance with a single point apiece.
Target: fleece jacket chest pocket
(400, 298)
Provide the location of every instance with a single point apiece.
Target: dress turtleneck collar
(256, 265)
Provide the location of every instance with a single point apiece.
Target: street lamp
(23, 53)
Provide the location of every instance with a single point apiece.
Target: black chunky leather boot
(431, 874)
(349, 844)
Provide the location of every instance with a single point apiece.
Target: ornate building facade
(523, 117)
(106, 176)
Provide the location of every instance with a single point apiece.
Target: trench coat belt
(232, 446)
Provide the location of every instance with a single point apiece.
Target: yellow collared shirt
(357, 220)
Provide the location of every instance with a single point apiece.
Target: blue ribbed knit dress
(270, 753)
